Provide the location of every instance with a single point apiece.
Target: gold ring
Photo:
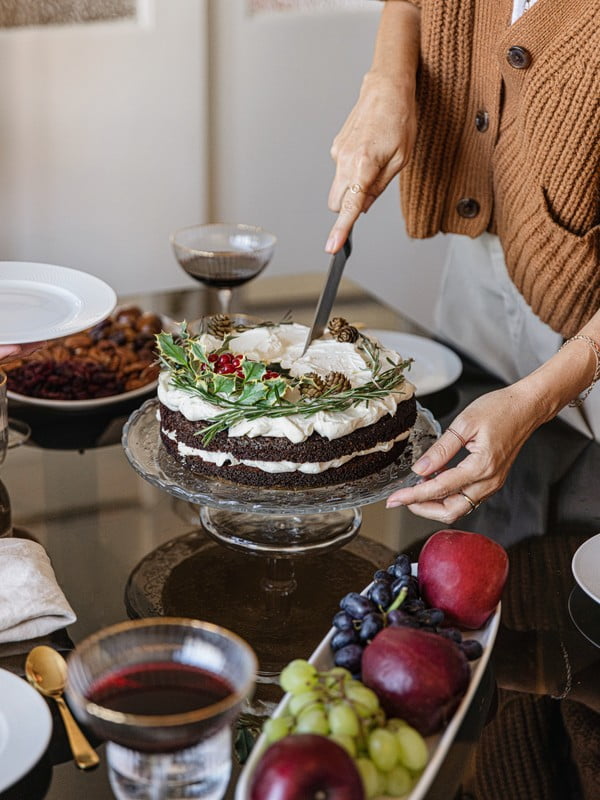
(356, 188)
(470, 502)
(458, 436)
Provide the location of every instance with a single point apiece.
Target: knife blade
(327, 298)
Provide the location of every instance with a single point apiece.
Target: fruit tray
(438, 744)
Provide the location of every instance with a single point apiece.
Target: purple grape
(370, 627)
(343, 638)
(381, 594)
(357, 605)
(430, 617)
(349, 657)
(471, 648)
(403, 565)
(399, 617)
(451, 633)
(383, 575)
(342, 621)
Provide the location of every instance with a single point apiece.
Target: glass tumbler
(165, 693)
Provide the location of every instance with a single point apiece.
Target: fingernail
(331, 242)
(393, 504)
(421, 466)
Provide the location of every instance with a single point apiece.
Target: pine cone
(219, 325)
(347, 334)
(313, 389)
(336, 324)
(336, 382)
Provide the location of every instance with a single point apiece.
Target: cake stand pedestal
(255, 561)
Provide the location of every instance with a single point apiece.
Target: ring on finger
(471, 502)
(458, 436)
(356, 188)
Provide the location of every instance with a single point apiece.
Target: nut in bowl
(113, 361)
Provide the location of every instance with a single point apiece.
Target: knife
(325, 304)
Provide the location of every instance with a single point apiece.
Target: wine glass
(223, 255)
(165, 693)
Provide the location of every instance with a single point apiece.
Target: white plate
(82, 405)
(435, 365)
(25, 728)
(43, 301)
(438, 745)
(586, 567)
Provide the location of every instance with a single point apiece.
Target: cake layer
(264, 461)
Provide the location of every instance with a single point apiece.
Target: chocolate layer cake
(245, 406)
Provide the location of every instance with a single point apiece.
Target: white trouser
(481, 312)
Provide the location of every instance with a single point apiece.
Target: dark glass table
(533, 729)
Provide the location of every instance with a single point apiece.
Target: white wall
(285, 82)
(102, 143)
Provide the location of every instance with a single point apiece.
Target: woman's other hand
(8, 352)
(492, 429)
(376, 140)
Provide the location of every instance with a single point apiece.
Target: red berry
(240, 373)
(225, 358)
(226, 369)
(212, 358)
(235, 362)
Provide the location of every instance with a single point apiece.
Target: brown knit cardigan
(534, 172)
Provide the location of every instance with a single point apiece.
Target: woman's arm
(494, 428)
(377, 138)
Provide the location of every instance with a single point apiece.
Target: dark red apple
(418, 676)
(462, 573)
(304, 766)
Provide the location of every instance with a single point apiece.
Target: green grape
(365, 701)
(398, 781)
(335, 676)
(412, 748)
(301, 701)
(393, 724)
(313, 720)
(372, 779)
(277, 727)
(343, 719)
(383, 749)
(299, 676)
(345, 741)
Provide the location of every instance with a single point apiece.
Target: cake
(245, 405)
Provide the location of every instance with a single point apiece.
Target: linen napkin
(31, 602)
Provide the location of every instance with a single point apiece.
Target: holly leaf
(170, 350)
(253, 370)
(252, 393)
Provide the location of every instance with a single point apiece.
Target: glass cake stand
(269, 583)
(265, 520)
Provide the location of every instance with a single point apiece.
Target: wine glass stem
(224, 300)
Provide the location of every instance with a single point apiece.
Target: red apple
(464, 574)
(305, 766)
(418, 676)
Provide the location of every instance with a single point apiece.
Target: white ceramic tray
(438, 744)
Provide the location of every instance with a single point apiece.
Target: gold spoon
(46, 670)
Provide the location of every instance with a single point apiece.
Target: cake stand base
(281, 534)
(282, 606)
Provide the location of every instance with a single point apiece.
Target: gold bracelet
(596, 348)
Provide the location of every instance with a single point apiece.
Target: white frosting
(283, 344)
(313, 468)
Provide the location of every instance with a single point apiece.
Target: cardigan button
(467, 207)
(518, 57)
(482, 121)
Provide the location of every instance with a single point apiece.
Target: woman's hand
(9, 352)
(376, 140)
(492, 429)
(371, 148)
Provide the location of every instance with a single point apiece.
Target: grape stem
(399, 600)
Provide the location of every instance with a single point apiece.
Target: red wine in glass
(163, 687)
(223, 256)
